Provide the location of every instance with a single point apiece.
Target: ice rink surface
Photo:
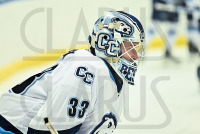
(166, 97)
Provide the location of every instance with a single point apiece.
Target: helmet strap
(92, 42)
(112, 59)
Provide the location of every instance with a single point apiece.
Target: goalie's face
(129, 50)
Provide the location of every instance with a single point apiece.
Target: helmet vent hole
(101, 20)
(105, 37)
(117, 19)
(125, 29)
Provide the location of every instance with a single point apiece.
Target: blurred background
(166, 97)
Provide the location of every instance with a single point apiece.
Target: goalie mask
(118, 38)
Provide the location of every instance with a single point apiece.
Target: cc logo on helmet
(125, 29)
(107, 44)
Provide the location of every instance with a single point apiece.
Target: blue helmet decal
(127, 29)
(105, 43)
(128, 72)
(135, 21)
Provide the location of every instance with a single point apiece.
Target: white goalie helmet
(109, 37)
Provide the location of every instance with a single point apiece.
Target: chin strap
(112, 59)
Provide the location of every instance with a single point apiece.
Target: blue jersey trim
(7, 128)
(35, 82)
(111, 76)
(2, 131)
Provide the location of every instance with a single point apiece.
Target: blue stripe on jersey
(35, 82)
(73, 130)
(7, 128)
(2, 131)
(23, 87)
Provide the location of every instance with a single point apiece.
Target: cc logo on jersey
(85, 75)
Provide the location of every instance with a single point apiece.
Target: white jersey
(78, 94)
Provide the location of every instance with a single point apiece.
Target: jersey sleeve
(71, 96)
